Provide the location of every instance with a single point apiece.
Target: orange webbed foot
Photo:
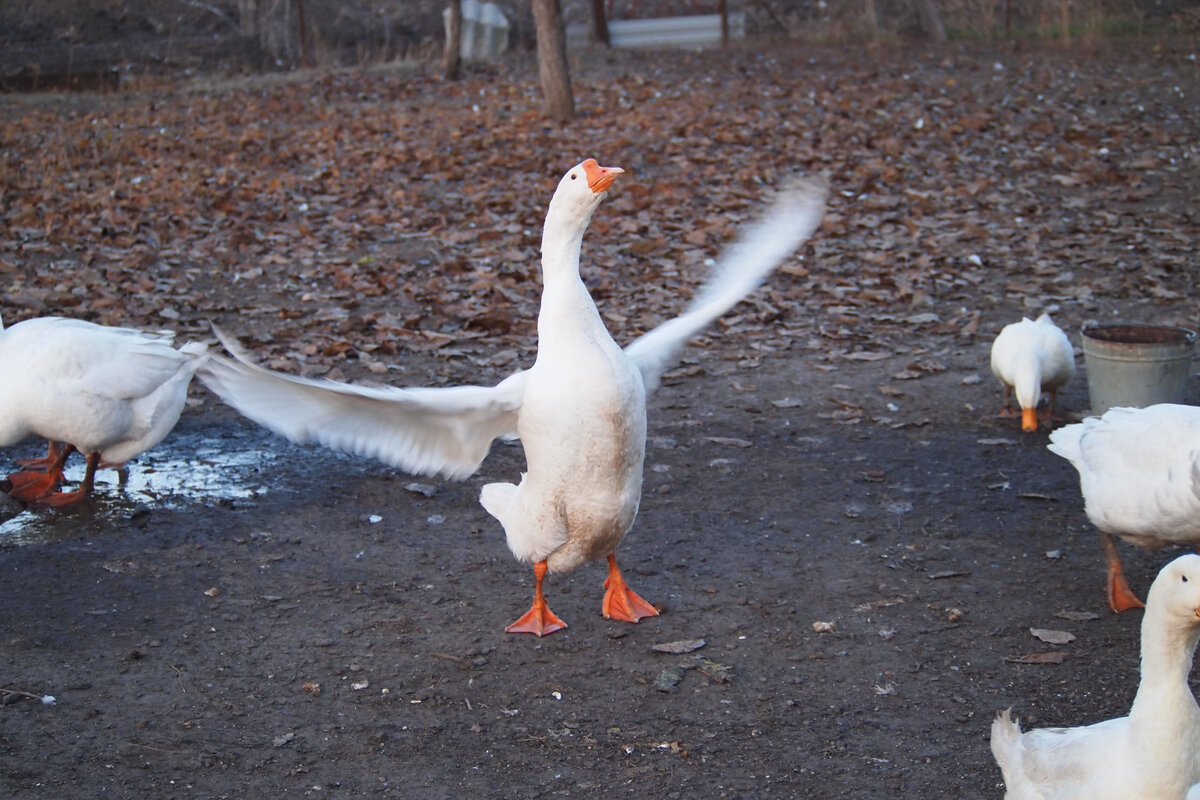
(30, 487)
(59, 499)
(1120, 596)
(43, 463)
(539, 619)
(621, 602)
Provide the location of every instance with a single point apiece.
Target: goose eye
(573, 176)
(1184, 578)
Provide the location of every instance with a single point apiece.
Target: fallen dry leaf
(1052, 636)
(682, 646)
(322, 235)
(730, 441)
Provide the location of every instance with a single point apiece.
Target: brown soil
(290, 645)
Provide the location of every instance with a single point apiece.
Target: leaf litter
(343, 237)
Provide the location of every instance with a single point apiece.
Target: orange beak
(1029, 422)
(600, 178)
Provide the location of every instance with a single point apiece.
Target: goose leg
(52, 449)
(1049, 417)
(539, 619)
(84, 490)
(30, 487)
(1007, 411)
(1120, 596)
(621, 602)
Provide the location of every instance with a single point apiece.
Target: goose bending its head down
(110, 393)
(1139, 473)
(1031, 358)
(1154, 752)
(579, 411)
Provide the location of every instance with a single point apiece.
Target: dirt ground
(307, 625)
(251, 619)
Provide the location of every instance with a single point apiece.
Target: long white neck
(1167, 651)
(562, 236)
(566, 303)
(1027, 381)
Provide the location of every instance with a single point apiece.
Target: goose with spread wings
(579, 410)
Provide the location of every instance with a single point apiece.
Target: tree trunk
(600, 23)
(552, 59)
(931, 21)
(871, 20)
(248, 17)
(452, 55)
(302, 26)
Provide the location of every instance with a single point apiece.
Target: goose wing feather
(426, 431)
(790, 220)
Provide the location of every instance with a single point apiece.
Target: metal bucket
(1136, 365)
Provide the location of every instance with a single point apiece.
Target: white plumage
(579, 411)
(1139, 473)
(1151, 754)
(110, 393)
(1031, 358)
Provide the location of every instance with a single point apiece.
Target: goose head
(578, 195)
(580, 192)
(1176, 591)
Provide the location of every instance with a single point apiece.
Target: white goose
(110, 393)
(1154, 752)
(579, 411)
(1031, 358)
(1139, 473)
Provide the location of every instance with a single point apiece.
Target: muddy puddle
(188, 469)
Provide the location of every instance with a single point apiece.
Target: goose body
(579, 411)
(1031, 358)
(1139, 473)
(1153, 753)
(110, 393)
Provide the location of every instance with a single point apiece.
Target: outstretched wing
(741, 267)
(426, 431)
